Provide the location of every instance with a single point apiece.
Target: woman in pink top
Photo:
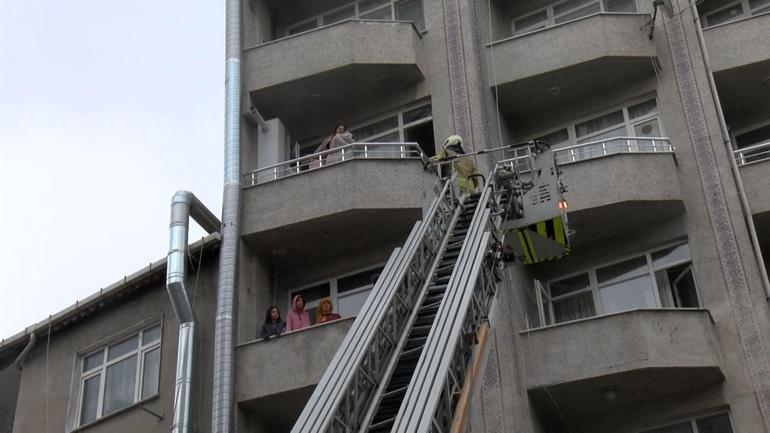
(297, 317)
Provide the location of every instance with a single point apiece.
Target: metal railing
(521, 158)
(751, 154)
(344, 393)
(304, 164)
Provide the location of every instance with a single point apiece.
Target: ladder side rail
(353, 362)
(393, 267)
(439, 411)
(415, 312)
(447, 308)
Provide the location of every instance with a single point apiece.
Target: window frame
(746, 12)
(594, 287)
(309, 146)
(357, 12)
(628, 123)
(551, 15)
(334, 294)
(693, 422)
(103, 346)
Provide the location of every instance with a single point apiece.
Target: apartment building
(658, 319)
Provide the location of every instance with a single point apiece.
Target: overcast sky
(106, 109)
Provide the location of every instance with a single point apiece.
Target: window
(658, 279)
(719, 423)
(413, 124)
(119, 375)
(736, 10)
(348, 293)
(635, 120)
(402, 10)
(567, 10)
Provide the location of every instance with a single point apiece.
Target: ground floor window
(660, 278)
(717, 423)
(347, 293)
(119, 375)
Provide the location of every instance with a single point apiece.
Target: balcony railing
(756, 153)
(331, 157)
(595, 149)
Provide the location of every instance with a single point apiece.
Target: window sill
(115, 414)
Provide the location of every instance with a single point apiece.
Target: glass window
(644, 108)
(90, 400)
(620, 5)
(373, 129)
(714, 424)
(659, 279)
(385, 13)
(359, 280)
(410, 10)
(719, 423)
(682, 427)
(310, 25)
(367, 5)
(151, 373)
(582, 12)
(417, 114)
(724, 15)
(535, 21)
(569, 5)
(92, 361)
(755, 136)
(339, 15)
(599, 123)
(119, 385)
(129, 374)
(125, 346)
(556, 137)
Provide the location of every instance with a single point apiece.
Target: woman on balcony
(274, 326)
(338, 138)
(325, 312)
(297, 317)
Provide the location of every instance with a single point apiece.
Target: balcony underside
(739, 43)
(614, 194)
(333, 72)
(570, 62)
(745, 90)
(339, 234)
(522, 97)
(638, 354)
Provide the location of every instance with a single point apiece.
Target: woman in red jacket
(325, 311)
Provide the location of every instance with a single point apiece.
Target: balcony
(617, 184)
(275, 378)
(740, 59)
(348, 64)
(633, 355)
(754, 164)
(570, 61)
(311, 207)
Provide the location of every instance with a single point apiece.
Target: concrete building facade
(657, 321)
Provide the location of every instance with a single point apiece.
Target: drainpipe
(222, 413)
(183, 205)
(20, 359)
(733, 164)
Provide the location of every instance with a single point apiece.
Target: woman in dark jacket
(274, 326)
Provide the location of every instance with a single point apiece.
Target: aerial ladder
(405, 359)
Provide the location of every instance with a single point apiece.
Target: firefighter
(463, 166)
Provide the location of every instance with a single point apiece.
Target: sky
(106, 109)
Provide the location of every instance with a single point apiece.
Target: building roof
(85, 307)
